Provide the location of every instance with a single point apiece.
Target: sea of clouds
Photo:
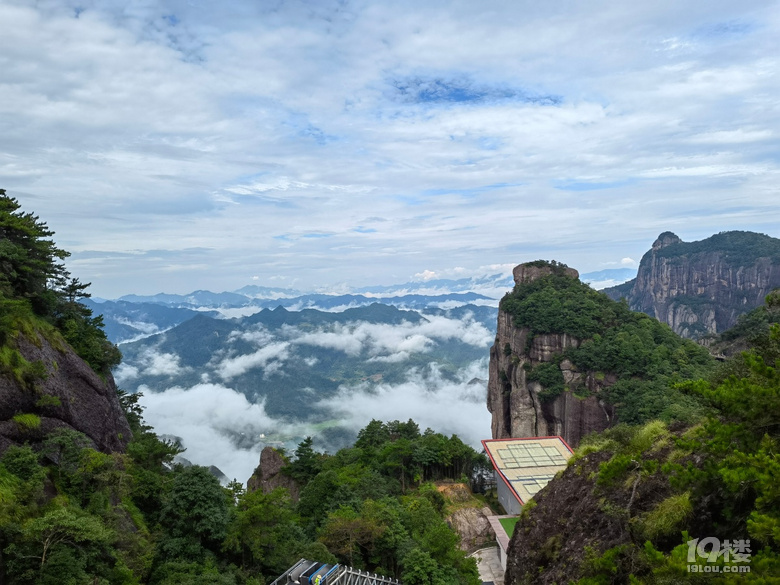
(220, 426)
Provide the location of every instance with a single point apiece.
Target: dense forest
(71, 514)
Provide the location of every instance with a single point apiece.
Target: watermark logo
(720, 557)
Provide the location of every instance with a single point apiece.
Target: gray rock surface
(87, 403)
(473, 527)
(698, 292)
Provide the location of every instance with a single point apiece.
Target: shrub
(28, 422)
(668, 517)
(47, 400)
(549, 375)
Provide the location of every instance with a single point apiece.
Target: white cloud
(143, 327)
(258, 336)
(155, 363)
(426, 275)
(602, 284)
(205, 417)
(738, 136)
(393, 343)
(342, 339)
(237, 312)
(145, 133)
(269, 357)
(125, 372)
(427, 397)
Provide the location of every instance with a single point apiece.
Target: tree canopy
(34, 282)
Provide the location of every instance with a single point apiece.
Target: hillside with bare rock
(569, 361)
(700, 288)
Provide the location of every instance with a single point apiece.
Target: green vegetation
(72, 515)
(752, 329)
(27, 374)
(38, 296)
(646, 356)
(27, 421)
(718, 478)
(48, 401)
(558, 268)
(549, 375)
(509, 525)
(737, 247)
(668, 518)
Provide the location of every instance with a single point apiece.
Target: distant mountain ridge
(700, 288)
(134, 317)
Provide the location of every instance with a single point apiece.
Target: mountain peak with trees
(701, 288)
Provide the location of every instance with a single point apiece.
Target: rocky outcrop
(701, 288)
(515, 403)
(473, 527)
(68, 395)
(530, 271)
(268, 475)
(469, 518)
(573, 520)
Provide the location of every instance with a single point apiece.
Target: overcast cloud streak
(175, 146)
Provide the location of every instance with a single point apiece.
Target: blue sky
(182, 145)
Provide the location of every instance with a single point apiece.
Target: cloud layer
(427, 397)
(212, 420)
(218, 425)
(385, 342)
(175, 146)
(277, 384)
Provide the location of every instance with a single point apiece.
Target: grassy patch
(509, 525)
(47, 400)
(668, 517)
(630, 442)
(28, 422)
(25, 373)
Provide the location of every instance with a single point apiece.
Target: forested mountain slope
(80, 505)
(634, 497)
(568, 361)
(55, 359)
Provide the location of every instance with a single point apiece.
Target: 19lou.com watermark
(735, 555)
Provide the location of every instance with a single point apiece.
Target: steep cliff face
(700, 288)
(518, 405)
(67, 395)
